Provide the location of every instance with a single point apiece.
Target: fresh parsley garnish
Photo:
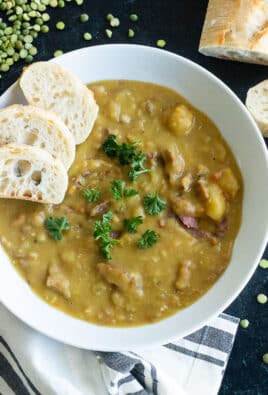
(148, 239)
(91, 195)
(131, 224)
(102, 230)
(130, 192)
(119, 190)
(110, 146)
(56, 226)
(127, 155)
(137, 166)
(153, 204)
(107, 216)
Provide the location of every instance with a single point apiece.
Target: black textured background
(179, 22)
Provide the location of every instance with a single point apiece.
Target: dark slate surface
(179, 22)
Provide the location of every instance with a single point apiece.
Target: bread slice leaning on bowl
(236, 30)
(257, 104)
(50, 86)
(34, 126)
(31, 173)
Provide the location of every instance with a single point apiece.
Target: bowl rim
(161, 339)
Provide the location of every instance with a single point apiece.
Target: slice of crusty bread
(257, 104)
(31, 173)
(50, 86)
(40, 128)
(236, 30)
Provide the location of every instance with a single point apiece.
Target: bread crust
(18, 122)
(31, 173)
(257, 104)
(51, 86)
(236, 30)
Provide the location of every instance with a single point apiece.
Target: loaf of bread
(31, 173)
(40, 128)
(50, 86)
(257, 104)
(236, 30)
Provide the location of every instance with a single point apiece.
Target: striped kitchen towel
(31, 363)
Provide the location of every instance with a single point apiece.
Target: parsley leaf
(130, 192)
(126, 153)
(137, 166)
(110, 146)
(131, 224)
(91, 195)
(105, 247)
(56, 226)
(148, 239)
(134, 174)
(153, 204)
(138, 161)
(107, 216)
(102, 230)
(119, 190)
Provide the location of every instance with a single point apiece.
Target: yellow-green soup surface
(192, 170)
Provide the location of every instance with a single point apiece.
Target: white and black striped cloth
(32, 364)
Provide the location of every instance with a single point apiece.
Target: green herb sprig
(153, 204)
(56, 226)
(127, 155)
(91, 195)
(137, 166)
(102, 230)
(120, 192)
(148, 239)
(131, 224)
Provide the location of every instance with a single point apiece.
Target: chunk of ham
(100, 208)
(186, 182)
(184, 275)
(174, 164)
(58, 281)
(189, 222)
(116, 234)
(191, 225)
(222, 228)
(125, 281)
(202, 188)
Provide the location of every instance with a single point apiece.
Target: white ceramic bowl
(214, 98)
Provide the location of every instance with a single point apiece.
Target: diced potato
(219, 151)
(180, 120)
(114, 110)
(216, 204)
(229, 183)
